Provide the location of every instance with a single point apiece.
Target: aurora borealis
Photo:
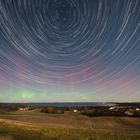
(69, 50)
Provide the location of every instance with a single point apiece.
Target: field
(33, 125)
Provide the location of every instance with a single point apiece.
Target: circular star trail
(81, 45)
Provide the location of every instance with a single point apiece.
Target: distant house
(23, 108)
(112, 108)
(75, 110)
(129, 112)
(137, 109)
(20, 109)
(118, 108)
(50, 109)
(133, 112)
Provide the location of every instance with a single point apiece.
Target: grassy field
(33, 125)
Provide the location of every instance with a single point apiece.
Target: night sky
(69, 50)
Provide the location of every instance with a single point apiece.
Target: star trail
(69, 50)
